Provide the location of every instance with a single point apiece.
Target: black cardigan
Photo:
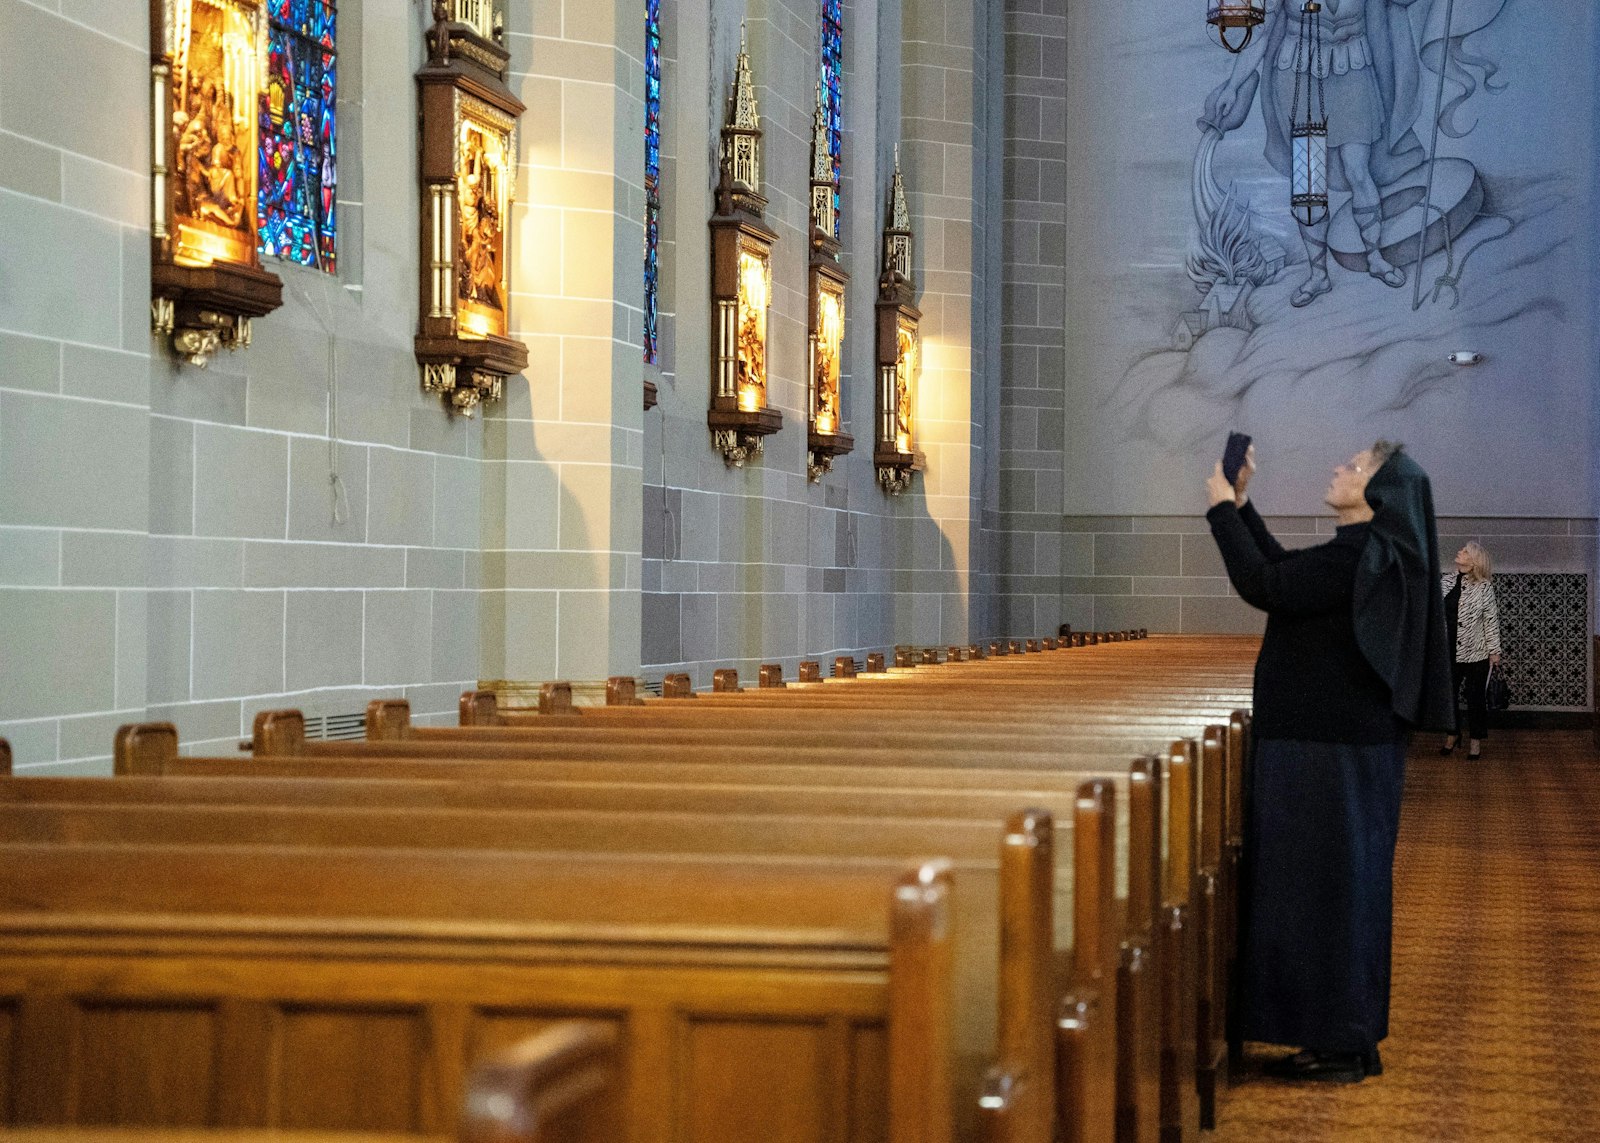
(1312, 681)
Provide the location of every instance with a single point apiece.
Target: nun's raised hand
(1218, 489)
(1246, 471)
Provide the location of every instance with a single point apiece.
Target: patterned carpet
(1495, 1015)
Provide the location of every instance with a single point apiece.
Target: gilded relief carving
(482, 191)
(751, 346)
(905, 373)
(213, 133)
(830, 340)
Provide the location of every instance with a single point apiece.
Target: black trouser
(1476, 678)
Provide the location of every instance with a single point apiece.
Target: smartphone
(1233, 456)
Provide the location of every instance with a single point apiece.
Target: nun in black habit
(1354, 658)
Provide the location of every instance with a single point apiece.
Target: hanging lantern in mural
(895, 453)
(1308, 120)
(741, 282)
(1230, 17)
(825, 438)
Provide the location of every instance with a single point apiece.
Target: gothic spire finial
(896, 232)
(741, 134)
(821, 153)
(745, 114)
(899, 215)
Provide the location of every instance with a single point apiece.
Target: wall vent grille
(337, 727)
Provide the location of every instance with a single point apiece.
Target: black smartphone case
(1233, 456)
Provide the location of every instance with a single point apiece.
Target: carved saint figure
(825, 414)
(752, 348)
(479, 194)
(223, 198)
(750, 341)
(905, 368)
(210, 170)
(193, 121)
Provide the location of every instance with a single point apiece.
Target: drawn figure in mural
(480, 230)
(1374, 59)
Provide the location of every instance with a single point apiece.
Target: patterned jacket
(1478, 629)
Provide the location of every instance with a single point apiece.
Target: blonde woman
(1473, 618)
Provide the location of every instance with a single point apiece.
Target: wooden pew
(1143, 952)
(1025, 927)
(543, 1089)
(1149, 937)
(268, 826)
(226, 984)
(99, 819)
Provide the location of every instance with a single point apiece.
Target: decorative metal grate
(1544, 636)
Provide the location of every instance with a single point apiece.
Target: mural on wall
(1451, 212)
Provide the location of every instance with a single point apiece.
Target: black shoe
(1325, 1067)
(1447, 750)
(1474, 755)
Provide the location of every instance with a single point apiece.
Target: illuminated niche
(899, 344)
(469, 156)
(825, 436)
(741, 282)
(207, 282)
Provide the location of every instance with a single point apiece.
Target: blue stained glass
(298, 163)
(832, 98)
(652, 177)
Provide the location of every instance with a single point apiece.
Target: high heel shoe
(1448, 748)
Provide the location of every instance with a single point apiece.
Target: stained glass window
(299, 173)
(652, 177)
(832, 100)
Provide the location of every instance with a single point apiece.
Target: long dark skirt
(1316, 907)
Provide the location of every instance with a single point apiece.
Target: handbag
(1497, 693)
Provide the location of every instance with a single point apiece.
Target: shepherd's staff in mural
(1405, 202)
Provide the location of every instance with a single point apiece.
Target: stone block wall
(173, 541)
(1033, 301)
(314, 516)
(751, 565)
(561, 496)
(1164, 572)
(75, 429)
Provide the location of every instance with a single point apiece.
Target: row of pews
(988, 896)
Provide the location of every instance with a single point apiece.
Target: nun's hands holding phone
(1246, 471)
(1219, 491)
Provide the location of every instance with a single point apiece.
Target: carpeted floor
(1495, 1015)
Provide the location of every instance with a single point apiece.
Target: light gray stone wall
(314, 515)
(174, 544)
(743, 566)
(1164, 572)
(562, 499)
(75, 427)
(1033, 372)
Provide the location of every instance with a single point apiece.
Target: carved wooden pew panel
(236, 985)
